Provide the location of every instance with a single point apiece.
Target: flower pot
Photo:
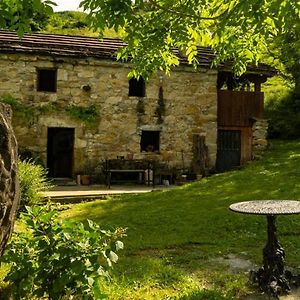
(130, 156)
(85, 179)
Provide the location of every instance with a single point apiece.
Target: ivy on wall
(161, 108)
(86, 114)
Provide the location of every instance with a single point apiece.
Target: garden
(182, 243)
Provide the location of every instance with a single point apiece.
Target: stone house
(75, 107)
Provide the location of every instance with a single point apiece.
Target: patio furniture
(271, 277)
(143, 171)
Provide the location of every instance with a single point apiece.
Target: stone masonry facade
(189, 108)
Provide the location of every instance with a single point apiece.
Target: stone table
(272, 278)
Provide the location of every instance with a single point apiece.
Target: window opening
(137, 87)
(150, 141)
(46, 80)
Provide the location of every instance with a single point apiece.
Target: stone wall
(259, 137)
(189, 107)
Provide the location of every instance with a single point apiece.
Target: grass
(179, 241)
(174, 236)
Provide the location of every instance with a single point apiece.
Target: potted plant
(85, 177)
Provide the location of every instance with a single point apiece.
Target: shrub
(284, 117)
(33, 180)
(57, 258)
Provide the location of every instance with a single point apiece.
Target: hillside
(183, 230)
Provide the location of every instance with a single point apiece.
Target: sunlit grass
(172, 236)
(179, 240)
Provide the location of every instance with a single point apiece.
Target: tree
(24, 15)
(17, 15)
(235, 29)
(9, 188)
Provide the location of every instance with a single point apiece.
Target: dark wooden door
(60, 152)
(229, 149)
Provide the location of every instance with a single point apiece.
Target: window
(137, 87)
(150, 141)
(46, 80)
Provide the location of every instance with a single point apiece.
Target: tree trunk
(9, 185)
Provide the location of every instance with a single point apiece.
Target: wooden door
(60, 152)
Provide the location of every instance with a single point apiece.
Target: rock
(9, 185)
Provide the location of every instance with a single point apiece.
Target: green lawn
(174, 237)
(179, 242)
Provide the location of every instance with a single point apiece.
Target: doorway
(60, 148)
(229, 149)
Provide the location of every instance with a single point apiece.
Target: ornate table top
(267, 207)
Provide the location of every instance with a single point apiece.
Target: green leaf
(97, 291)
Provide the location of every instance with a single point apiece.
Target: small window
(46, 80)
(137, 87)
(150, 141)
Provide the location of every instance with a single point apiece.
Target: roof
(82, 46)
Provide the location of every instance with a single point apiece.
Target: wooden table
(272, 278)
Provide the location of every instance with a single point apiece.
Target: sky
(66, 5)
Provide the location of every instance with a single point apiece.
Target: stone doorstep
(77, 193)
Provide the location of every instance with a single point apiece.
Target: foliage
(89, 114)
(197, 232)
(25, 111)
(24, 15)
(73, 23)
(59, 258)
(69, 22)
(33, 180)
(283, 115)
(235, 29)
(284, 48)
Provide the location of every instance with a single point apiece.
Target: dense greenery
(282, 108)
(24, 15)
(33, 180)
(235, 29)
(180, 241)
(24, 111)
(283, 114)
(86, 114)
(56, 258)
(69, 22)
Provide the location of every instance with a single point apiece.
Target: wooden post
(200, 155)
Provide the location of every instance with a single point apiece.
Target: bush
(33, 180)
(56, 258)
(284, 117)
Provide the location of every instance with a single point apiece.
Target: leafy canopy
(235, 29)
(24, 15)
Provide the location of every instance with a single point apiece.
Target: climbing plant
(87, 114)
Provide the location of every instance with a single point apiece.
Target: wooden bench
(122, 166)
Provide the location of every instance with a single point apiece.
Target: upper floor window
(137, 87)
(46, 80)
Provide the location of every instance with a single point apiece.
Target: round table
(272, 278)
